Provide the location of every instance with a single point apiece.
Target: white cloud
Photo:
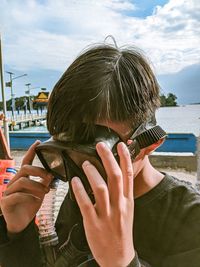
(50, 35)
(40, 51)
(171, 36)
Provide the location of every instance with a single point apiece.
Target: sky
(41, 38)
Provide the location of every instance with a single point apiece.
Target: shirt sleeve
(136, 262)
(22, 249)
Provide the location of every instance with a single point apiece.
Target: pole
(28, 92)
(29, 97)
(12, 95)
(198, 162)
(5, 122)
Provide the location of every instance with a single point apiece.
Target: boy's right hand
(23, 196)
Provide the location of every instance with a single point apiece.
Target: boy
(135, 215)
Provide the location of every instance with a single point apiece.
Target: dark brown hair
(104, 83)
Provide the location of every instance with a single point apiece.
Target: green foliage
(19, 102)
(169, 101)
(163, 100)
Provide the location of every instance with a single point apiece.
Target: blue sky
(42, 37)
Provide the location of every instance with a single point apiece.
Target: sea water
(180, 119)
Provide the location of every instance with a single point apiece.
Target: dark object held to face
(64, 159)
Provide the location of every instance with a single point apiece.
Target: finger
(25, 185)
(113, 171)
(30, 154)
(99, 188)
(127, 169)
(29, 170)
(83, 200)
(18, 197)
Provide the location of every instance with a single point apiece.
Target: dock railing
(24, 117)
(23, 120)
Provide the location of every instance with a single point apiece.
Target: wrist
(130, 258)
(135, 261)
(123, 261)
(15, 233)
(14, 229)
(10, 230)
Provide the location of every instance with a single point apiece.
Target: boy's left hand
(109, 222)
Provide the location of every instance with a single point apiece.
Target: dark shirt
(166, 229)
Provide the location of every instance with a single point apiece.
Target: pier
(25, 120)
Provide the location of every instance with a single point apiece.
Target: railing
(25, 117)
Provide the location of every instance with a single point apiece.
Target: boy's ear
(151, 148)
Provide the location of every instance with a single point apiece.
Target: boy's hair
(104, 83)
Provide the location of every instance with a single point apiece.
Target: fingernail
(122, 144)
(123, 147)
(101, 145)
(86, 163)
(76, 181)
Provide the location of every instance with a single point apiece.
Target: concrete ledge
(174, 161)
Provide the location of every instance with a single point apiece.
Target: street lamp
(28, 92)
(10, 84)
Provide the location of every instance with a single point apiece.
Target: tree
(171, 100)
(19, 102)
(163, 100)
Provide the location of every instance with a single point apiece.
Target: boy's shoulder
(181, 189)
(171, 191)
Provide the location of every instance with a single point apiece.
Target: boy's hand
(23, 196)
(108, 224)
